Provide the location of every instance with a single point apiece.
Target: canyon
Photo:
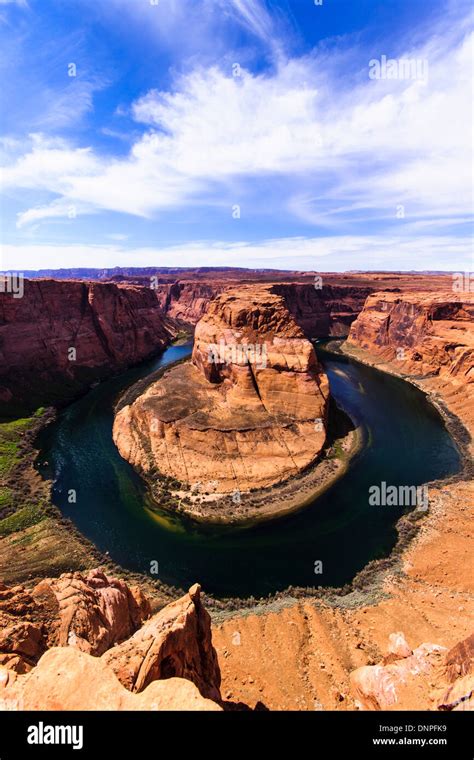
(72, 328)
(336, 654)
(399, 638)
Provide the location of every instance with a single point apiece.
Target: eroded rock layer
(61, 336)
(246, 413)
(427, 338)
(425, 332)
(83, 643)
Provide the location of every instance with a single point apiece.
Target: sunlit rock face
(247, 412)
(425, 332)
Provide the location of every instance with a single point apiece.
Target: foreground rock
(88, 612)
(62, 336)
(422, 679)
(175, 642)
(93, 612)
(248, 412)
(91, 615)
(66, 679)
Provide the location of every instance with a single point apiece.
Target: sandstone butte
(424, 597)
(232, 420)
(90, 643)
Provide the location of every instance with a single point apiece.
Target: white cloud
(347, 155)
(255, 17)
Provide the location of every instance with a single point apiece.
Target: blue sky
(235, 132)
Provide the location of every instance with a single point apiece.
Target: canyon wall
(426, 337)
(320, 311)
(112, 325)
(329, 310)
(187, 301)
(246, 413)
(62, 335)
(427, 333)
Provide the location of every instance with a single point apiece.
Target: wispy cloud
(365, 150)
(311, 139)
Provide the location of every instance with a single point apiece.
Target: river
(405, 443)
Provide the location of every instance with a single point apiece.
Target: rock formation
(427, 338)
(90, 613)
(114, 324)
(175, 642)
(93, 612)
(246, 413)
(426, 333)
(408, 680)
(431, 593)
(328, 310)
(187, 301)
(66, 679)
(64, 644)
(325, 311)
(61, 336)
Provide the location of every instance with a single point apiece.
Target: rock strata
(84, 643)
(63, 335)
(425, 333)
(424, 677)
(248, 412)
(88, 612)
(66, 679)
(176, 642)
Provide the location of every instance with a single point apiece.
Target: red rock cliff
(108, 326)
(320, 312)
(426, 333)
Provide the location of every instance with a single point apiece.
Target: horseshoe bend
(247, 412)
(245, 426)
(236, 376)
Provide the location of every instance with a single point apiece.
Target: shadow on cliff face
(339, 424)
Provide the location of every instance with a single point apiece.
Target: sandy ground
(297, 655)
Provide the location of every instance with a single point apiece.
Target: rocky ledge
(91, 643)
(247, 413)
(427, 339)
